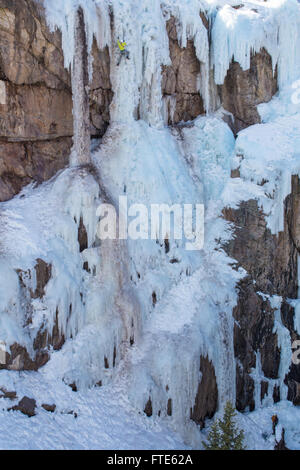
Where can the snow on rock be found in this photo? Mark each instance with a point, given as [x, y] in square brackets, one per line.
[137, 315]
[150, 165]
[44, 223]
[258, 426]
[62, 16]
[134, 287]
[267, 155]
[100, 418]
[165, 365]
[239, 32]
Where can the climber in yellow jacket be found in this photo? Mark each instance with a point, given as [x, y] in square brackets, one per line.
[123, 51]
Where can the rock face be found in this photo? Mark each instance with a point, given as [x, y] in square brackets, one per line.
[101, 94]
[18, 357]
[36, 122]
[271, 264]
[36, 130]
[206, 400]
[253, 245]
[243, 90]
[270, 260]
[240, 94]
[180, 80]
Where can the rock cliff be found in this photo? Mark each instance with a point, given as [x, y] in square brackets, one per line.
[36, 131]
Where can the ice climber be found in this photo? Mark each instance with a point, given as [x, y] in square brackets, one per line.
[274, 423]
[123, 51]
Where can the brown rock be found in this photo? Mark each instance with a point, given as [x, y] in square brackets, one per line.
[8, 395]
[206, 400]
[22, 162]
[294, 389]
[82, 236]
[148, 408]
[293, 211]
[99, 111]
[44, 340]
[271, 263]
[73, 387]
[243, 90]
[57, 339]
[26, 406]
[49, 408]
[43, 275]
[244, 389]
[30, 54]
[270, 260]
[12, 172]
[36, 121]
[47, 157]
[19, 359]
[276, 394]
[100, 91]
[35, 113]
[180, 80]
[254, 331]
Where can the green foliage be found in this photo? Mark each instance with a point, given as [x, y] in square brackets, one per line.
[224, 434]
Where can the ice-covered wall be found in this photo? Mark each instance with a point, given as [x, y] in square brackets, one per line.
[235, 32]
[244, 30]
[145, 312]
[85, 299]
[126, 159]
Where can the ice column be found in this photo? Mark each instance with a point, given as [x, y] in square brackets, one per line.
[80, 88]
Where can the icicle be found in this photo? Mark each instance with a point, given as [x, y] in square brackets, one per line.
[239, 33]
[169, 107]
[284, 343]
[257, 376]
[80, 86]
[226, 371]
[190, 26]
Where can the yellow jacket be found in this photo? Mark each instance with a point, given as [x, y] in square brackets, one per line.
[122, 45]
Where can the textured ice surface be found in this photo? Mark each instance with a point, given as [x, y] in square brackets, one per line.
[194, 292]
